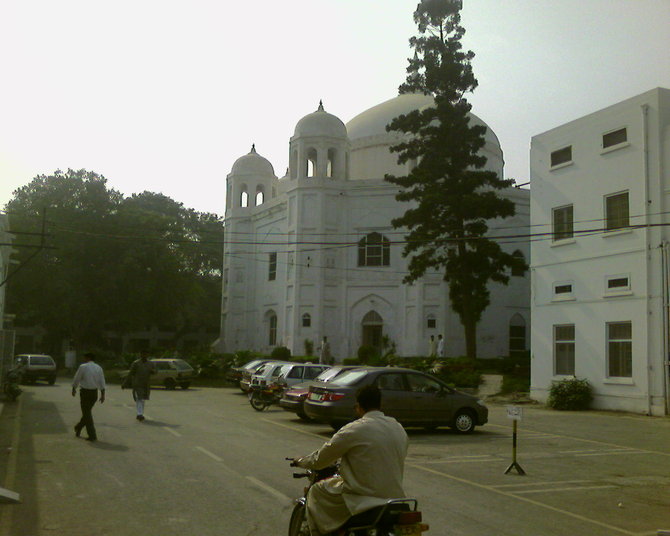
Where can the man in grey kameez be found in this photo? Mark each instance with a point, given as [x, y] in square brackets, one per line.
[372, 451]
[140, 372]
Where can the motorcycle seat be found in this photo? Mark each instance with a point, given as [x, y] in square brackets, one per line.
[367, 519]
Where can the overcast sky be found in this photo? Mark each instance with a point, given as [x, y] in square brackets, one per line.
[165, 95]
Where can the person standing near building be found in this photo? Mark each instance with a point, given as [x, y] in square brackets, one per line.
[89, 378]
[432, 346]
[324, 352]
[440, 346]
[140, 375]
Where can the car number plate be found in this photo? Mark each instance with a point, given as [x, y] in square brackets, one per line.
[407, 530]
[316, 396]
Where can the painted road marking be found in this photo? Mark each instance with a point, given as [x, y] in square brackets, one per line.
[544, 483]
[549, 490]
[173, 432]
[278, 494]
[210, 454]
[512, 495]
[294, 429]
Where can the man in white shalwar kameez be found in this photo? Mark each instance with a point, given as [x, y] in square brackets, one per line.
[372, 451]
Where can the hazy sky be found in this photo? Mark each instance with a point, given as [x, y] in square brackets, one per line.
[165, 95]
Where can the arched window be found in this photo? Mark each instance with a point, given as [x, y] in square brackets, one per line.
[244, 197]
[517, 335]
[374, 250]
[260, 195]
[519, 271]
[311, 163]
[373, 329]
[272, 328]
[330, 171]
[306, 320]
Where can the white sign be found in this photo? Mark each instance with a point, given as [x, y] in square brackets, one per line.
[514, 412]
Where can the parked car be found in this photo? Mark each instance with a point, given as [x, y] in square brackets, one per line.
[295, 396]
[295, 373]
[170, 373]
[36, 367]
[413, 398]
[265, 374]
[234, 374]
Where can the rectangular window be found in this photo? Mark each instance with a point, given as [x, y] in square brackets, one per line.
[616, 211]
[563, 289]
[564, 350]
[620, 349]
[272, 267]
[615, 138]
[431, 322]
[562, 156]
[562, 222]
[517, 340]
[618, 283]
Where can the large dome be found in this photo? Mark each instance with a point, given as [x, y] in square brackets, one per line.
[320, 123]
[372, 122]
[252, 164]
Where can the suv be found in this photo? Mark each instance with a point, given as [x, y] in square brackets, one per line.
[36, 367]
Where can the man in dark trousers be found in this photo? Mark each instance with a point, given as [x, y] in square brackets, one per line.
[140, 374]
[89, 378]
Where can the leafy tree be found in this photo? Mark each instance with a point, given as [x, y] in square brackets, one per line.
[454, 197]
[113, 263]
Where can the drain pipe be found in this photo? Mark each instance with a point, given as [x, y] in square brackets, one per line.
[645, 142]
[666, 318]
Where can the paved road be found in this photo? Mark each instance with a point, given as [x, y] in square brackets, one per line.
[204, 463]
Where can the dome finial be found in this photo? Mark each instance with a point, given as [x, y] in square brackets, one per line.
[320, 106]
[253, 149]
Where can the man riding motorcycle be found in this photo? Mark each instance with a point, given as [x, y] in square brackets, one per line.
[372, 450]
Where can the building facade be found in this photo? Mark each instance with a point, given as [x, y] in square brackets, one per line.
[314, 254]
[599, 262]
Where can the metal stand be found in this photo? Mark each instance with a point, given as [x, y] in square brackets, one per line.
[514, 464]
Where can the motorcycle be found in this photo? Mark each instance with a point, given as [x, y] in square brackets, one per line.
[263, 396]
[398, 517]
[10, 384]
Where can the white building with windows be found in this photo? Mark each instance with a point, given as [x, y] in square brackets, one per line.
[599, 190]
[314, 254]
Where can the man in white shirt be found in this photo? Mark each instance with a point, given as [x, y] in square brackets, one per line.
[89, 378]
[372, 451]
[440, 346]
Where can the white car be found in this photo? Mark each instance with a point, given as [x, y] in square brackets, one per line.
[295, 373]
[266, 374]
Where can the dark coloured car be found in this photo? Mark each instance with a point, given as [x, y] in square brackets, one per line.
[36, 367]
[295, 396]
[413, 398]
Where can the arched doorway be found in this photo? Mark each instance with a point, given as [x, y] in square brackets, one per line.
[373, 330]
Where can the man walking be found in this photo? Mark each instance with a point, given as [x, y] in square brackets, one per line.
[89, 378]
[140, 374]
[324, 352]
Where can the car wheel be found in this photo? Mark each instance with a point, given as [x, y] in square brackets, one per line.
[52, 381]
[184, 385]
[464, 422]
[170, 383]
[304, 416]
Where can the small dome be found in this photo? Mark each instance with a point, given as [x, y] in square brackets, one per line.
[252, 164]
[320, 123]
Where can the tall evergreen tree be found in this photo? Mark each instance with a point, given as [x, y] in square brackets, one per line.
[453, 196]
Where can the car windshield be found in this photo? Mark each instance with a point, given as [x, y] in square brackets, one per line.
[182, 365]
[351, 377]
[41, 360]
[252, 364]
[329, 374]
[263, 369]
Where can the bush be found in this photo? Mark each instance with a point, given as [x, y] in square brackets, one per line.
[281, 353]
[367, 354]
[571, 394]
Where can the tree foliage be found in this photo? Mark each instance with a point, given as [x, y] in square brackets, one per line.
[112, 262]
[453, 195]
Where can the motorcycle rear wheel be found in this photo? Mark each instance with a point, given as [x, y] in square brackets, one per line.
[257, 402]
[298, 524]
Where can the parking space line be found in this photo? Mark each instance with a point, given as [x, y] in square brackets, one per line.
[595, 441]
[295, 429]
[523, 499]
[544, 483]
[210, 454]
[278, 494]
[610, 452]
[549, 490]
[173, 432]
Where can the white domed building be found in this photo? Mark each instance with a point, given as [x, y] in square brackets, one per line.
[314, 254]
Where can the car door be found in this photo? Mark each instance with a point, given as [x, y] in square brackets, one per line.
[396, 398]
[431, 400]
